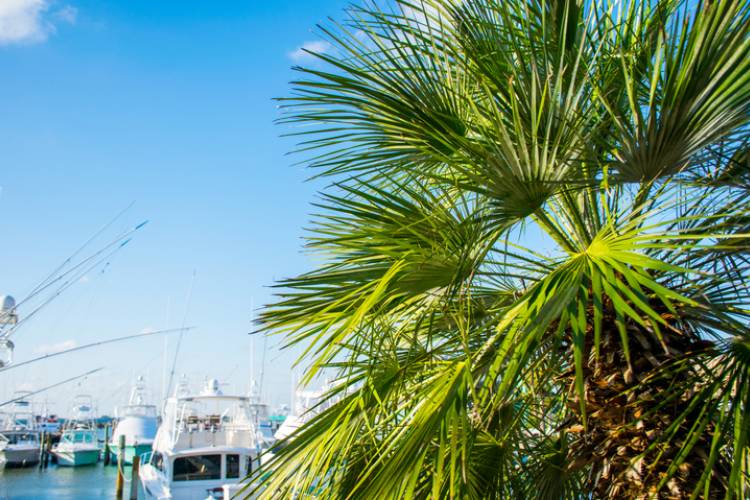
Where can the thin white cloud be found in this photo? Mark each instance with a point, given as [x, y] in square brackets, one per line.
[21, 21]
[67, 14]
[31, 21]
[57, 347]
[303, 53]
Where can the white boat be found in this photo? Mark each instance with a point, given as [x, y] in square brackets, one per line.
[137, 421]
[19, 438]
[305, 405]
[206, 445]
[78, 444]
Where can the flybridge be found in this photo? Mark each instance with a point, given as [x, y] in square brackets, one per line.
[207, 419]
[206, 442]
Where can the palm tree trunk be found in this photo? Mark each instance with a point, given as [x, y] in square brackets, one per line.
[623, 419]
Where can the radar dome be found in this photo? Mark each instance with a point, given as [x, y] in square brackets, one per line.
[7, 303]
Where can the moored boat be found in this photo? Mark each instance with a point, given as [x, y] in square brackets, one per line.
[78, 444]
[19, 438]
[137, 422]
[19, 448]
[204, 447]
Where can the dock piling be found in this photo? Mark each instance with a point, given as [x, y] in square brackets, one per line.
[120, 462]
[134, 478]
[47, 447]
[107, 457]
[42, 449]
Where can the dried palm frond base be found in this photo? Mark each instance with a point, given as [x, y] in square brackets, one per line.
[621, 447]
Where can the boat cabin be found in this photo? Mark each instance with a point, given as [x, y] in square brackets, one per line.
[196, 474]
[23, 437]
[206, 445]
[208, 464]
[79, 436]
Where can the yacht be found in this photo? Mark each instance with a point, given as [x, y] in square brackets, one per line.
[78, 444]
[137, 421]
[305, 405]
[19, 438]
[206, 445]
[260, 414]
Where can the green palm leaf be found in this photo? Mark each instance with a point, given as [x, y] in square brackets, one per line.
[533, 256]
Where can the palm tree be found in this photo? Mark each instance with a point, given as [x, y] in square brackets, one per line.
[533, 252]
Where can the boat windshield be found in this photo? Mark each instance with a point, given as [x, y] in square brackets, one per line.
[148, 411]
[80, 436]
[21, 437]
[197, 468]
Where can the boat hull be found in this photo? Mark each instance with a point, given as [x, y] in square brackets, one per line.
[76, 458]
[129, 452]
[157, 487]
[19, 457]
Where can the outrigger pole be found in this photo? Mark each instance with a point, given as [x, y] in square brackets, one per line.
[27, 394]
[94, 344]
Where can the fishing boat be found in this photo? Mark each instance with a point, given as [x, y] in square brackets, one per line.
[205, 446]
[78, 444]
[305, 405]
[137, 421]
[19, 437]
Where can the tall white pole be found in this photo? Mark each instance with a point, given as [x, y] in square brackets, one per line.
[252, 347]
[164, 354]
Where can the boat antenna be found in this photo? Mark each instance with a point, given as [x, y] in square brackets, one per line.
[58, 384]
[263, 363]
[164, 353]
[179, 339]
[94, 344]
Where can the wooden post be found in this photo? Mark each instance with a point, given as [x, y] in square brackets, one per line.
[120, 459]
[134, 478]
[106, 445]
[47, 447]
[42, 448]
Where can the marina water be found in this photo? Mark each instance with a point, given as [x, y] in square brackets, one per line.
[80, 483]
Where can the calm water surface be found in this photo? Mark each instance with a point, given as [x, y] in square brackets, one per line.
[88, 482]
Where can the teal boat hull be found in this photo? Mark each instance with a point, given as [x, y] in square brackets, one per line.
[129, 452]
[76, 458]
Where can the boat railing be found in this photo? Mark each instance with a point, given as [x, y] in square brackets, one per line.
[148, 411]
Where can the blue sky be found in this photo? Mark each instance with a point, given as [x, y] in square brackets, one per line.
[168, 104]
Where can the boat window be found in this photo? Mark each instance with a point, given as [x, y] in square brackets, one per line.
[81, 437]
[157, 460]
[249, 468]
[197, 468]
[18, 438]
[233, 466]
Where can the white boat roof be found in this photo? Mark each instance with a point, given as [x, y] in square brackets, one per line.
[208, 450]
[213, 397]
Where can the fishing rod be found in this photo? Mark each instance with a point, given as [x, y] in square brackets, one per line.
[80, 249]
[95, 344]
[58, 384]
[179, 339]
[121, 240]
[63, 287]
